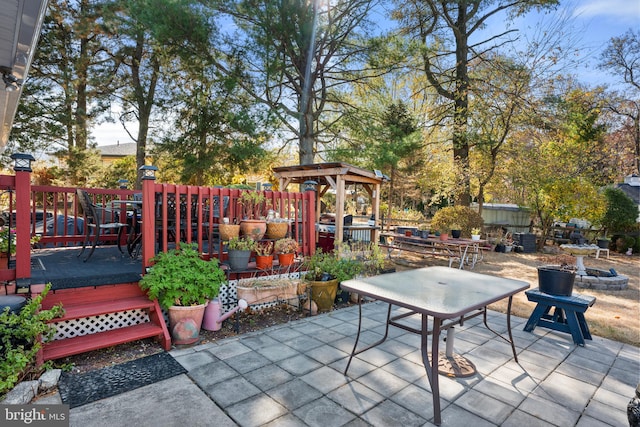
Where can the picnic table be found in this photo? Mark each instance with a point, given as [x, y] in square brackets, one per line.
[462, 251]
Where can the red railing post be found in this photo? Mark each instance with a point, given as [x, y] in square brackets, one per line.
[23, 206]
[148, 216]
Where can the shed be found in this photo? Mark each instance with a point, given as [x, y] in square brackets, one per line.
[505, 214]
[334, 176]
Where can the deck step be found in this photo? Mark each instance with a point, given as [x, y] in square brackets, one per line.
[70, 346]
[79, 311]
[85, 303]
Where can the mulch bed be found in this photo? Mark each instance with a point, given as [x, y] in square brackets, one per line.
[248, 321]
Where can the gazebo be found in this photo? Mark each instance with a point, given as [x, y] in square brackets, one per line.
[336, 176]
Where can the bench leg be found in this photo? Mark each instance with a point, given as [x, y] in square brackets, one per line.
[538, 312]
[574, 327]
[583, 326]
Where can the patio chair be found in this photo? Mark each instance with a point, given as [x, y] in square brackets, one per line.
[96, 219]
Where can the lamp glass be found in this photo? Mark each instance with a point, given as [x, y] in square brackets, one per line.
[22, 162]
[310, 185]
[148, 172]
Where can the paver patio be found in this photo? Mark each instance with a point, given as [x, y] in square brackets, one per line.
[291, 374]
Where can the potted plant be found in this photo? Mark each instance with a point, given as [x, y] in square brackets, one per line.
[286, 249]
[463, 218]
[424, 231]
[475, 233]
[277, 228]
[444, 233]
[264, 255]
[252, 224]
[325, 270]
[239, 252]
[456, 231]
[228, 231]
[183, 283]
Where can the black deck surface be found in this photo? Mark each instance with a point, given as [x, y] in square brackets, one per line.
[64, 269]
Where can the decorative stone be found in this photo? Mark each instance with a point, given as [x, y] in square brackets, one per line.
[49, 379]
[22, 393]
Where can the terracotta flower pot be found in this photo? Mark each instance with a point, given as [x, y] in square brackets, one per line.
[286, 259]
[264, 262]
[185, 323]
[253, 228]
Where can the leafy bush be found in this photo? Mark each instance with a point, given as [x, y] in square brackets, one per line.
[19, 342]
[621, 211]
[462, 216]
[322, 266]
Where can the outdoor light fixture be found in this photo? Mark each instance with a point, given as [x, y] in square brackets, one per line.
[122, 183]
[310, 185]
[22, 162]
[11, 82]
[267, 186]
[148, 172]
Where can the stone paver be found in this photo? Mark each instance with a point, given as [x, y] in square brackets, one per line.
[292, 375]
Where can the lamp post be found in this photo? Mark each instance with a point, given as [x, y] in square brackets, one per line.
[22, 162]
[310, 185]
[148, 172]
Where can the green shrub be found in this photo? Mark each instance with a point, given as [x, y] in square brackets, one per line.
[621, 212]
[462, 216]
[331, 264]
[19, 343]
[623, 243]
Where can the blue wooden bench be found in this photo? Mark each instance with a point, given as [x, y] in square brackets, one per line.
[568, 315]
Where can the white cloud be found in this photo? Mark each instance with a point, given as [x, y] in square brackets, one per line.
[622, 9]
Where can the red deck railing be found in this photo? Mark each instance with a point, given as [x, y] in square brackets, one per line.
[171, 214]
[191, 214]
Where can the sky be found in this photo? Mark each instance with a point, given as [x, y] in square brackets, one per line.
[594, 23]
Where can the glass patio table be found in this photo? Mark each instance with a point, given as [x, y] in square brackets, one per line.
[446, 294]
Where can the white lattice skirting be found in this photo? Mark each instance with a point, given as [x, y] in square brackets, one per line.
[94, 324]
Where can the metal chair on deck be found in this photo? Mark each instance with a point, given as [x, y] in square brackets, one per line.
[96, 219]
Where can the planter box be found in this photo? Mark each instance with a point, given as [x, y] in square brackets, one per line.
[263, 291]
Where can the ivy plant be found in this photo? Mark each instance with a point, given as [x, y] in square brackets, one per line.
[20, 339]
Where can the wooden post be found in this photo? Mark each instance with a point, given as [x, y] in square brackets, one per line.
[148, 221]
[23, 217]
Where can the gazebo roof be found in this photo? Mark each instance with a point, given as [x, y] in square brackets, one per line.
[326, 174]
